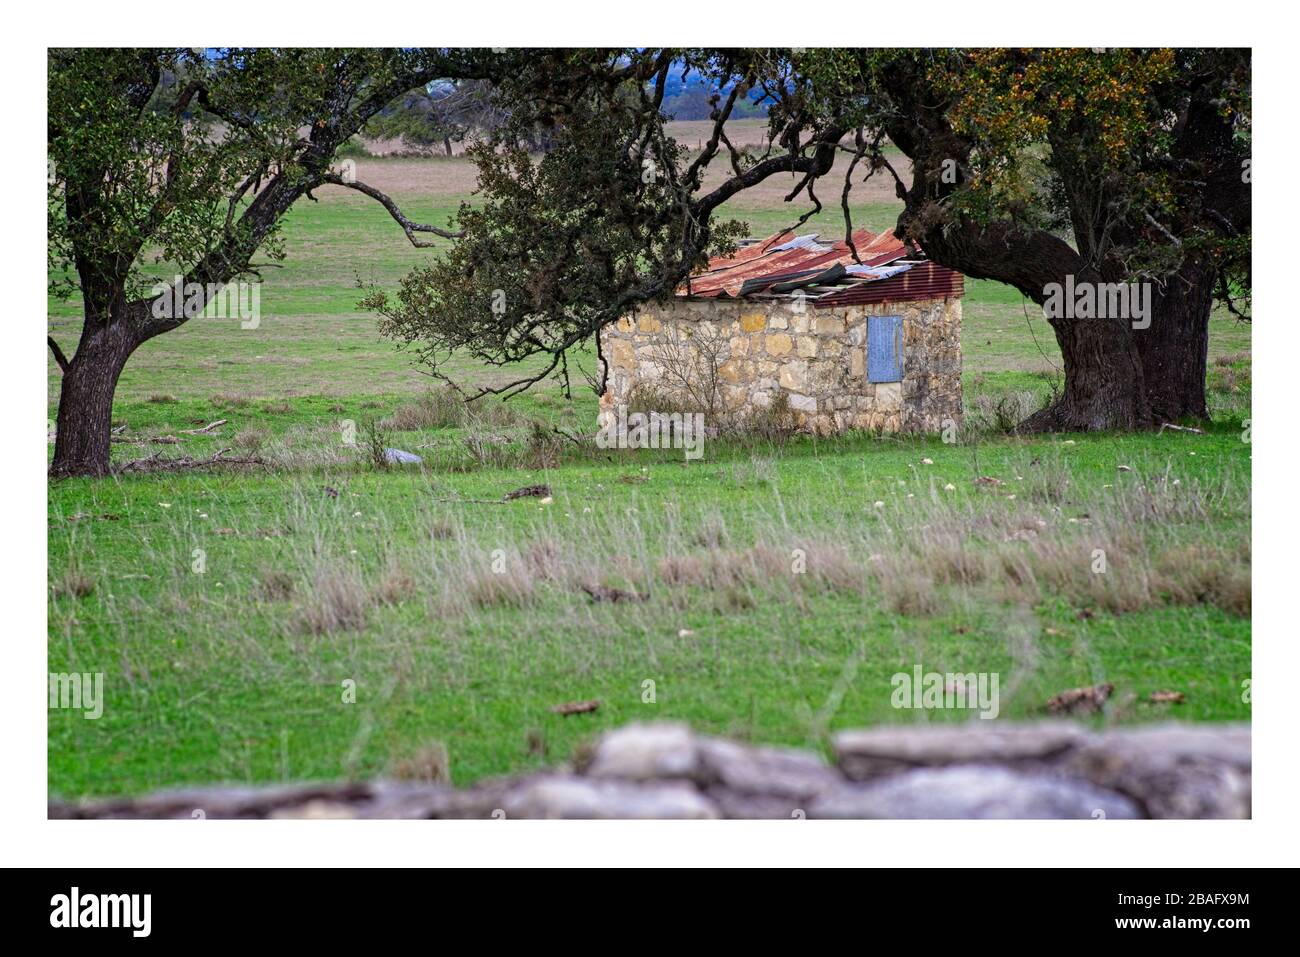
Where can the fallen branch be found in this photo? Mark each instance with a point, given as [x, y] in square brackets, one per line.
[528, 491]
[206, 429]
[575, 707]
[155, 464]
[1180, 428]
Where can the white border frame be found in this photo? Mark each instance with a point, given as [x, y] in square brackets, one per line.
[32, 840]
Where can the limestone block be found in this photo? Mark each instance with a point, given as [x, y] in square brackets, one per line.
[889, 396]
[794, 375]
[732, 370]
[778, 344]
[858, 363]
[622, 354]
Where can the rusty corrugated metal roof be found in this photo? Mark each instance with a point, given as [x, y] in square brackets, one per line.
[790, 260]
[921, 280]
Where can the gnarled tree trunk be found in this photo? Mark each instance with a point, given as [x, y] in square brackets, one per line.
[1104, 381]
[1175, 347]
[85, 420]
[1121, 377]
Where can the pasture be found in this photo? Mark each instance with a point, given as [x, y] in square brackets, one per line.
[316, 617]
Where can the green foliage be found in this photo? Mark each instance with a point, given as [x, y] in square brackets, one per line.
[564, 242]
[1139, 157]
[135, 177]
[157, 155]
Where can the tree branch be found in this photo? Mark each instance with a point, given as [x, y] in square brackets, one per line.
[59, 357]
[408, 227]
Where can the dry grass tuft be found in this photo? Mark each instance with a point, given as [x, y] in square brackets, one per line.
[275, 585]
[512, 588]
[1200, 574]
[1232, 358]
[338, 603]
[713, 533]
[1001, 413]
[436, 409]
[252, 439]
[230, 400]
[394, 586]
[429, 765]
[444, 408]
[810, 567]
[544, 559]
[74, 584]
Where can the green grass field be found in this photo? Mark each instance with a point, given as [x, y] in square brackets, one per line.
[783, 583]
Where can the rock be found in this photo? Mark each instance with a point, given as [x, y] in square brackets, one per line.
[778, 344]
[316, 810]
[978, 792]
[889, 396]
[731, 772]
[214, 803]
[622, 354]
[886, 750]
[643, 752]
[582, 798]
[744, 806]
[788, 775]
[398, 457]
[1172, 770]
[793, 375]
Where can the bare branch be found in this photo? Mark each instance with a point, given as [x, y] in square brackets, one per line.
[408, 227]
[861, 148]
[59, 357]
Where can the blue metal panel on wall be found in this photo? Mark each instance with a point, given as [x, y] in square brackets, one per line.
[884, 348]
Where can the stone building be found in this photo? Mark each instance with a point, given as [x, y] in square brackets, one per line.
[872, 342]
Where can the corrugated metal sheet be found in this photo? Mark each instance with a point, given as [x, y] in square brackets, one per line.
[883, 275]
[925, 280]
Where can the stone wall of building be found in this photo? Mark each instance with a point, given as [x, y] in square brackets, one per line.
[816, 357]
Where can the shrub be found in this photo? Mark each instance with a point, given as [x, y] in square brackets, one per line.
[374, 444]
